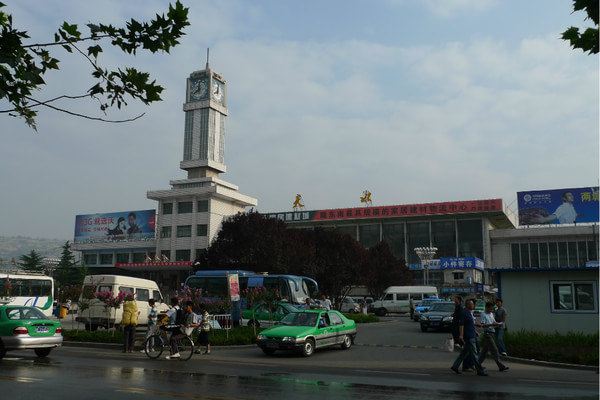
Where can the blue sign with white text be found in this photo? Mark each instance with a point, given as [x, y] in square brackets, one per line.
[461, 263]
[558, 206]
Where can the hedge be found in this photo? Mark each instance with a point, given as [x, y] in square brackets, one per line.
[362, 318]
[573, 347]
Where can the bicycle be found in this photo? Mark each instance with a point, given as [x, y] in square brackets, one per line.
[155, 345]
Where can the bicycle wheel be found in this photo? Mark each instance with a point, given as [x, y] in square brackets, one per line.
[154, 346]
[186, 348]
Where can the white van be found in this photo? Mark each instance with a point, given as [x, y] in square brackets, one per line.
[397, 298]
[96, 315]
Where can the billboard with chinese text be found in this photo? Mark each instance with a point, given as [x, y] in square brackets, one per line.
[558, 206]
[115, 226]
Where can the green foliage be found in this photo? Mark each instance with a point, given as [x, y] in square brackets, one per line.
[381, 270]
[236, 336]
[67, 272]
[362, 318]
[23, 66]
[587, 40]
[32, 262]
[573, 347]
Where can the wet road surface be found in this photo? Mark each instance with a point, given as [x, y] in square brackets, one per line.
[245, 373]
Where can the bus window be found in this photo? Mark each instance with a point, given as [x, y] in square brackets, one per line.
[128, 290]
[38, 287]
[142, 294]
[156, 296]
[104, 288]
[216, 287]
[20, 287]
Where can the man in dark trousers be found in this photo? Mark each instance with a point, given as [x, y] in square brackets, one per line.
[457, 317]
[468, 334]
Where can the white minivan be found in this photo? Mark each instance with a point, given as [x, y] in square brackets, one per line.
[96, 315]
[396, 299]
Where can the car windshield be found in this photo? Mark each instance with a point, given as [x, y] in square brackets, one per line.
[17, 313]
[300, 319]
[442, 307]
[428, 302]
[289, 308]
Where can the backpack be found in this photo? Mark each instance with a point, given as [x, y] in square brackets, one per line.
[180, 317]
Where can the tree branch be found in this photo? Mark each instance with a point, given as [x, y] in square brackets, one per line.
[41, 103]
[98, 37]
[114, 121]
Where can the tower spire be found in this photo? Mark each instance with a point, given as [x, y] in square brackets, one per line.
[207, 56]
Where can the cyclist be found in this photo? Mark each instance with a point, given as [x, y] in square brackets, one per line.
[185, 323]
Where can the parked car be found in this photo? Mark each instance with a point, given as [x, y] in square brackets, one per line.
[349, 305]
[23, 327]
[143, 289]
[259, 314]
[397, 298]
[438, 317]
[424, 306]
[307, 330]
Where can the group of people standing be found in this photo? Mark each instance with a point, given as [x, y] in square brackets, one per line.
[181, 322]
[464, 331]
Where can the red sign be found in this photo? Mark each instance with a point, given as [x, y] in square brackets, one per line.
[410, 210]
[156, 264]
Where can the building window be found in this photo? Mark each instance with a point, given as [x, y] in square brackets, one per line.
[184, 207]
[553, 251]
[544, 263]
[184, 231]
[516, 255]
[563, 259]
[525, 255]
[349, 230]
[139, 257]
[368, 235]
[592, 251]
[165, 232]
[167, 208]
[573, 296]
[202, 230]
[90, 259]
[122, 257]
[443, 236]
[582, 251]
[417, 236]
[106, 259]
[534, 254]
[393, 234]
[458, 276]
[166, 254]
[182, 255]
[202, 205]
[470, 238]
[572, 248]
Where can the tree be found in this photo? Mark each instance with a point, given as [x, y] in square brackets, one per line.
[588, 40]
[381, 270]
[33, 262]
[24, 65]
[67, 271]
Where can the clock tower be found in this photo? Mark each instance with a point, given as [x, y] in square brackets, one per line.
[191, 212]
[205, 110]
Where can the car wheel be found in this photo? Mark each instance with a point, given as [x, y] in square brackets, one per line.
[308, 348]
[269, 352]
[381, 312]
[423, 328]
[43, 352]
[346, 342]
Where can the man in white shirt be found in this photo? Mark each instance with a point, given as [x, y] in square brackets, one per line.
[325, 302]
[565, 213]
[488, 323]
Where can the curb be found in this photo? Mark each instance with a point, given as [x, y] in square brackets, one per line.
[550, 364]
[95, 345]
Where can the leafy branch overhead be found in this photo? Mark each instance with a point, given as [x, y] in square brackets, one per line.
[23, 66]
[588, 39]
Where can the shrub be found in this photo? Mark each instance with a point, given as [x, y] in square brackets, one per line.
[362, 318]
[572, 347]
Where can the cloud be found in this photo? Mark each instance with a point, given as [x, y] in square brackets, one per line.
[452, 8]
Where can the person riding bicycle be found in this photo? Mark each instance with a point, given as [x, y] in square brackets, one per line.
[185, 323]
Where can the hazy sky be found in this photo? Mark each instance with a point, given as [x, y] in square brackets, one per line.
[417, 101]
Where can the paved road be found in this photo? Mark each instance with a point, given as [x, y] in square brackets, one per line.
[245, 373]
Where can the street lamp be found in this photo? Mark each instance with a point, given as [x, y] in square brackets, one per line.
[425, 254]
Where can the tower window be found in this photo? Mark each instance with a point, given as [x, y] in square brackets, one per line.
[201, 230]
[202, 205]
[167, 208]
[184, 207]
[184, 231]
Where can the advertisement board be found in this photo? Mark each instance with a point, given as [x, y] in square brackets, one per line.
[234, 287]
[115, 227]
[461, 263]
[558, 206]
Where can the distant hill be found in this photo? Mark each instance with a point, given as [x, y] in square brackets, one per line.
[15, 246]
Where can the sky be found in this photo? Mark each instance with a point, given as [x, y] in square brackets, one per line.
[414, 100]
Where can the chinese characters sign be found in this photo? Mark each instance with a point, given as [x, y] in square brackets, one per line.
[558, 206]
[410, 210]
[460, 263]
[115, 227]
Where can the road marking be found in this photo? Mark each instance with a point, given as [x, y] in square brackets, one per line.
[184, 395]
[20, 379]
[561, 382]
[392, 372]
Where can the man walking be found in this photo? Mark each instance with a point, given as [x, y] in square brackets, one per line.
[500, 316]
[488, 323]
[468, 335]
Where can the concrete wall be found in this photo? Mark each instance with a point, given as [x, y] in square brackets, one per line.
[527, 299]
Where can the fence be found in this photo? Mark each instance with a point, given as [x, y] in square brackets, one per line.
[221, 321]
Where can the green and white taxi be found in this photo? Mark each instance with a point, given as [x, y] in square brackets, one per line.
[307, 330]
[23, 327]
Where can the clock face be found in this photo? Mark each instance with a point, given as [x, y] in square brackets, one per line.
[198, 89]
[217, 91]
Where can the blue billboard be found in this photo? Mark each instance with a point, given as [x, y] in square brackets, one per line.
[115, 227]
[461, 263]
[558, 206]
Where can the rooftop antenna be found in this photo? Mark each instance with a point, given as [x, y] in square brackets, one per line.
[207, 56]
